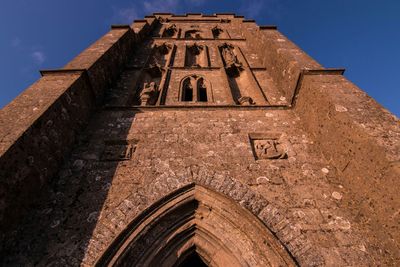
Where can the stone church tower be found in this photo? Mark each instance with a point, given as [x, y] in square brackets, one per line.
[198, 140]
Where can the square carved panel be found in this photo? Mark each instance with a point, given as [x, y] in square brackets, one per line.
[267, 146]
[118, 150]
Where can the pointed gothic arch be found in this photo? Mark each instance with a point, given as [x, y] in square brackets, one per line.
[195, 222]
[195, 88]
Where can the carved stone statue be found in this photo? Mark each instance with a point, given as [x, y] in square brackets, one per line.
[193, 34]
[163, 49]
[170, 31]
[194, 57]
[159, 54]
[154, 69]
[195, 49]
[216, 31]
[269, 149]
[148, 94]
[232, 64]
[229, 56]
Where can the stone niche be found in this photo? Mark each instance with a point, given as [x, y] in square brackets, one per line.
[238, 79]
[160, 54]
[193, 34]
[170, 32]
[151, 77]
[196, 56]
[149, 86]
[231, 62]
[244, 88]
[219, 33]
[267, 146]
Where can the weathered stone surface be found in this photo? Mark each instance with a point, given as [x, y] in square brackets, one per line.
[255, 141]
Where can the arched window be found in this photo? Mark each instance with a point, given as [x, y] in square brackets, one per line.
[187, 90]
[195, 89]
[201, 91]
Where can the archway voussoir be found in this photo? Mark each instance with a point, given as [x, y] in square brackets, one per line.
[227, 186]
[270, 215]
[248, 199]
[217, 182]
[238, 191]
[164, 231]
[257, 204]
[305, 253]
[202, 175]
[288, 233]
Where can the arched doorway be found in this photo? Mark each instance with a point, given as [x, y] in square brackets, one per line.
[196, 226]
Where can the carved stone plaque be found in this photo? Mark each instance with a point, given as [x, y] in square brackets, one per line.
[267, 147]
[118, 150]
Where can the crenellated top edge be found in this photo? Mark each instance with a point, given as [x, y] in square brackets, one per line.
[198, 15]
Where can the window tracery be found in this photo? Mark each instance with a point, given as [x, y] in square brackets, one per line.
[195, 89]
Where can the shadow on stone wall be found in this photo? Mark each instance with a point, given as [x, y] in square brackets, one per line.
[56, 231]
[56, 225]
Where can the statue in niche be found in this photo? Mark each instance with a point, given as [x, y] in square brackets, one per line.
[217, 31]
[194, 56]
[163, 49]
[148, 94]
[269, 149]
[193, 34]
[154, 69]
[232, 64]
[246, 101]
[159, 54]
[170, 31]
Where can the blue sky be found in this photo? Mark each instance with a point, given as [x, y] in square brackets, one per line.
[362, 36]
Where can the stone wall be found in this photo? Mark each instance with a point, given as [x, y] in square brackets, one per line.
[326, 194]
[361, 141]
[40, 126]
[48, 116]
[206, 147]
[356, 135]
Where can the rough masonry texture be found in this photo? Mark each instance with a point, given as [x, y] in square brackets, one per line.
[197, 139]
